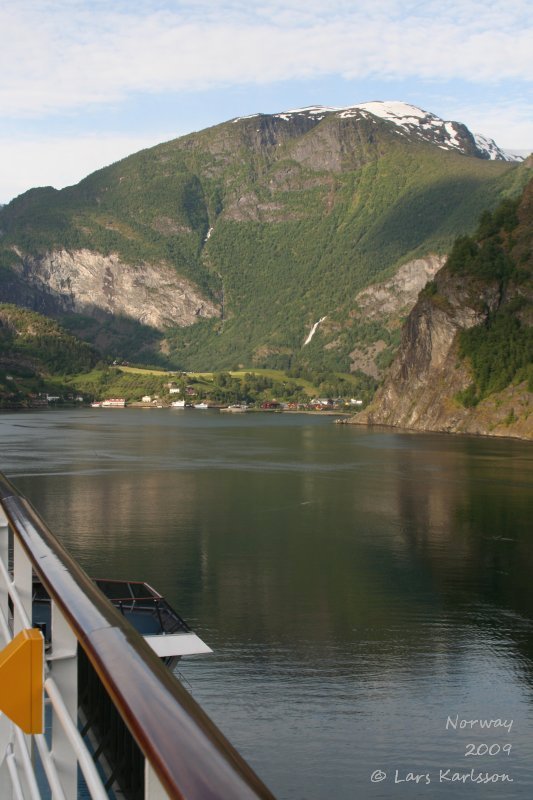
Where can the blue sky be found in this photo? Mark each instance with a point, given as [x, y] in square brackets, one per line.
[86, 83]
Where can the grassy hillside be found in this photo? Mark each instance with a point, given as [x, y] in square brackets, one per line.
[28, 336]
[36, 356]
[299, 216]
[39, 358]
[254, 387]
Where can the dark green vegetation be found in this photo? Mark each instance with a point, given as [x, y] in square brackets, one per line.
[304, 214]
[36, 356]
[500, 353]
[501, 350]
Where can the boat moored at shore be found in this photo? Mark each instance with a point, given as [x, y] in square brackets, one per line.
[111, 402]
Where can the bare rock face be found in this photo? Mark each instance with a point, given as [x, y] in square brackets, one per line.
[86, 282]
[424, 376]
[426, 373]
[387, 303]
[364, 358]
[420, 390]
[401, 291]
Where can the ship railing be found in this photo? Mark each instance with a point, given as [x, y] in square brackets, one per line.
[114, 712]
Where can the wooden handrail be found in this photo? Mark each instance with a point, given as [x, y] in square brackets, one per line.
[188, 753]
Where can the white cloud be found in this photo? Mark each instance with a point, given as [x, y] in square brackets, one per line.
[61, 161]
[67, 54]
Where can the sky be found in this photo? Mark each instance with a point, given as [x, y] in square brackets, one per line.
[87, 82]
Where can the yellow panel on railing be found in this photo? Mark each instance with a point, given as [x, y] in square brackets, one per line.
[21, 680]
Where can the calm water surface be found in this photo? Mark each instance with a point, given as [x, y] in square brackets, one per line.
[358, 587]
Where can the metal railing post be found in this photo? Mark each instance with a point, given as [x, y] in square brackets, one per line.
[4, 557]
[152, 785]
[22, 580]
[6, 728]
[64, 671]
[6, 744]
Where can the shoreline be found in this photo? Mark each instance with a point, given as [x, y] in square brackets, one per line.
[137, 406]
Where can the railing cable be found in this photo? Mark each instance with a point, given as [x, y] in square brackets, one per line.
[27, 766]
[87, 765]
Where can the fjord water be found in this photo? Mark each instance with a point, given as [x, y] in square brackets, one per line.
[359, 587]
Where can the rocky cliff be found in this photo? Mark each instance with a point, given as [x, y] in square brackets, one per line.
[89, 283]
[386, 303]
[445, 379]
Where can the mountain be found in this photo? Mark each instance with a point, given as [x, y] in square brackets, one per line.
[232, 245]
[465, 363]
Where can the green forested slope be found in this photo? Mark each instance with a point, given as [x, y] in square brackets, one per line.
[36, 355]
[500, 351]
[302, 217]
[27, 336]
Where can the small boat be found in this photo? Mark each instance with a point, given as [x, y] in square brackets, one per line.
[236, 409]
[114, 402]
[201, 405]
[96, 405]
[178, 404]
[164, 630]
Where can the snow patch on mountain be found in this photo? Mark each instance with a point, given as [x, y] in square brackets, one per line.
[495, 153]
[447, 134]
[249, 116]
[409, 120]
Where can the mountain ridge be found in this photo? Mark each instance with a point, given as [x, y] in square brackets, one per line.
[448, 134]
[273, 222]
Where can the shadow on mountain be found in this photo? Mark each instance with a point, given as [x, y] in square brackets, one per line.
[441, 211]
[116, 336]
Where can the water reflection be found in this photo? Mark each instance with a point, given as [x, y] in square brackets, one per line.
[357, 586]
